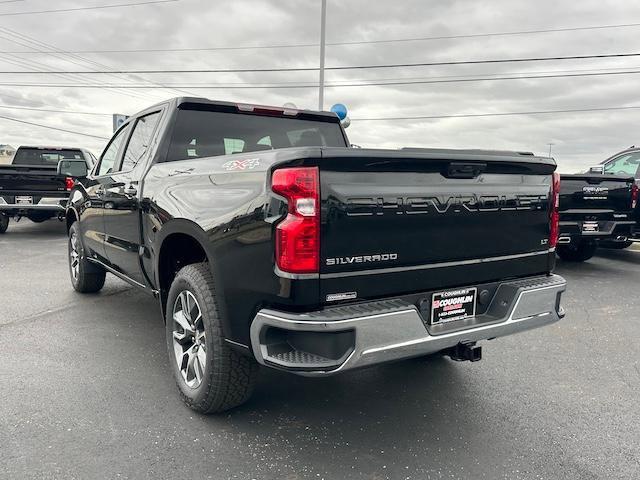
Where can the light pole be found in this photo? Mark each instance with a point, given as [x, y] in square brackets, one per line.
[550, 145]
[323, 25]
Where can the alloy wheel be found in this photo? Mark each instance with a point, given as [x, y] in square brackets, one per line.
[189, 344]
[74, 256]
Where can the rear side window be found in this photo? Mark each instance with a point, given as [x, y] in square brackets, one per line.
[625, 164]
[201, 133]
[140, 140]
[44, 157]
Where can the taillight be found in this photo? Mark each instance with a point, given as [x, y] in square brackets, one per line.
[298, 235]
[554, 214]
[634, 195]
[68, 183]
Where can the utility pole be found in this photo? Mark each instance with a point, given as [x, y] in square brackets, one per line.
[550, 145]
[323, 26]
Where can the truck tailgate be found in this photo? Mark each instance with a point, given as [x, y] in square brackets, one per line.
[599, 193]
[424, 221]
[30, 180]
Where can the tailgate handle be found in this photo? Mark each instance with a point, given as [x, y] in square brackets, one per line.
[465, 170]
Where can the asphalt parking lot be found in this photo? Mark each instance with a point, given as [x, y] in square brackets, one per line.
[86, 392]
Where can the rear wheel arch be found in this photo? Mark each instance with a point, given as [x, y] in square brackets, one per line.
[181, 243]
[71, 217]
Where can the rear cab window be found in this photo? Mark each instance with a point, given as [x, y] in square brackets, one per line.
[208, 133]
[45, 157]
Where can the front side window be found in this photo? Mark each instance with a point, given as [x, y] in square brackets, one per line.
[206, 133]
[110, 155]
[625, 164]
[140, 140]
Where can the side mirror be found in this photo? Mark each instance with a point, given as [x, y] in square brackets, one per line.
[72, 168]
[597, 169]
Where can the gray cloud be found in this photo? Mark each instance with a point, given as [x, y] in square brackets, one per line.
[580, 139]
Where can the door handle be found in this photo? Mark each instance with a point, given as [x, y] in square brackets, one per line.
[130, 190]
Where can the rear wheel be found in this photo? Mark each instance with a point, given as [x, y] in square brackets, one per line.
[86, 277]
[616, 245]
[4, 223]
[210, 375]
[576, 252]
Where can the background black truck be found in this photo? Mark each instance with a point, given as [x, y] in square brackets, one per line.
[625, 163]
[37, 183]
[267, 240]
[595, 210]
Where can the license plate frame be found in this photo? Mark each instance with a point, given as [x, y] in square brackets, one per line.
[445, 312]
[24, 200]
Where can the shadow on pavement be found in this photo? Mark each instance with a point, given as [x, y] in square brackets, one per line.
[26, 229]
[626, 255]
[584, 268]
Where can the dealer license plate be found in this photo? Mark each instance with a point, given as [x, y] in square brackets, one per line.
[24, 200]
[588, 227]
[453, 305]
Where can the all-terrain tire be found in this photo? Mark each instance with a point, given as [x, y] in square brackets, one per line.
[576, 252]
[4, 223]
[227, 377]
[86, 277]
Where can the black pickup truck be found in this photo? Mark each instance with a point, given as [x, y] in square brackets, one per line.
[267, 240]
[37, 183]
[595, 209]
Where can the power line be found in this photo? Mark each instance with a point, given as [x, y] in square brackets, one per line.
[96, 7]
[297, 86]
[400, 79]
[344, 67]
[34, 109]
[493, 34]
[52, 128]
[34, 44]
[37, 66]
[360, 42]
[470, 115]
[59, 53]
[484, 79]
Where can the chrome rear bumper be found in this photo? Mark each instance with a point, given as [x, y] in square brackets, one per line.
[384, 331]
[54, 204]
[23, 208]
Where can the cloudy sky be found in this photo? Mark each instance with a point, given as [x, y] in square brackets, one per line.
[580, 139]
